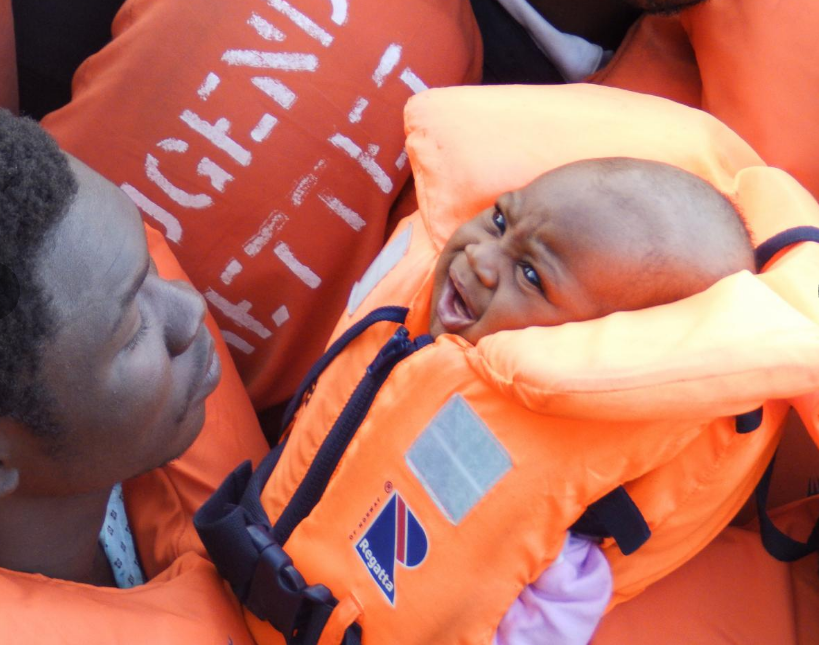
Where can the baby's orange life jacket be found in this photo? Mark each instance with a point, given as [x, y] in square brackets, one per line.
[185, 601]
[424, 484]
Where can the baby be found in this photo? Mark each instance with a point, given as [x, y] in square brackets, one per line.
[580, 242]
[583, 241]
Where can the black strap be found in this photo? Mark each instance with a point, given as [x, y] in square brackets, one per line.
[389, 314]
[780, 545]
[237, 534]
[749, 421]
[615, 515]
[769, 248]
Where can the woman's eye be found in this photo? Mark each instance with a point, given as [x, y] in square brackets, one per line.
[531, 276]
[499, 221]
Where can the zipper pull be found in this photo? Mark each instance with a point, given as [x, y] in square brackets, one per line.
[393, 351]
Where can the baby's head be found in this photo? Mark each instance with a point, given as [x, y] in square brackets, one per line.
[583, 241]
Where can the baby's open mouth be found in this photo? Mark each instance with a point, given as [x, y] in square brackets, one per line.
[453, 311]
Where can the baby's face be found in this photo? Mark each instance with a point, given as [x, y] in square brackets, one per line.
[553, 252]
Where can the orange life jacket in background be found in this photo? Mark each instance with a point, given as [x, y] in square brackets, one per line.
[8, 59]
[750, 63]
[425, 484]
[263, 137]
[185, 600]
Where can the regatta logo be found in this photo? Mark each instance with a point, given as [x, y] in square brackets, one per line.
[395, 536]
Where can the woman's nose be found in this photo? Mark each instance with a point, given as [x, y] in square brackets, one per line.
[185, 311]
[483, 259]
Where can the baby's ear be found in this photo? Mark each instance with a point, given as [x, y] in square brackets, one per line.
[9, 474]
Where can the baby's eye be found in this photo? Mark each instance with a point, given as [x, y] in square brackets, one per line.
[531, 275]
[499, 221]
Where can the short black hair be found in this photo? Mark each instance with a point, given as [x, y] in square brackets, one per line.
[37, 188]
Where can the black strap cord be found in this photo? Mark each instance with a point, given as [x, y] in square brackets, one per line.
[769, 248]
[780, 545]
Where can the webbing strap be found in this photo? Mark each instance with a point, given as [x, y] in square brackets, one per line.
[388, 314]
[749, 421]
[769, 248]
[780, 545]
[238, 536]
[615, 515]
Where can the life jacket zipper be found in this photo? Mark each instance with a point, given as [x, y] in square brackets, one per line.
[352, 416]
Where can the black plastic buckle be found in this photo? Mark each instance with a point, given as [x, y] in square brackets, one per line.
[278, 592]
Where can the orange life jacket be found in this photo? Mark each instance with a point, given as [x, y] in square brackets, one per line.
[185, 600]
[750, 63]
[425, 484]
[733, 592]
[8, 59]
[264, 138]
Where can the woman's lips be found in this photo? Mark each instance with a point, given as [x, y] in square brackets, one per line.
[454, 313]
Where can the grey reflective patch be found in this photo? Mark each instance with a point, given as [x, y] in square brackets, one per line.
[381, 266]
[458, 459]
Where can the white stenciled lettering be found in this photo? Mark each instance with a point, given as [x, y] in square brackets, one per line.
[178, 195]
[353, 219]
[289, 62]
[276, 90]
[210, 83]
[217, 133]
[306, 184]
[272, 224]
[340, 8]
[365, 159]
[236, 341]
[301, 271]
[233, 268]
[263, 128]
[218, 176]
[387, 63]
[264, 28]
[281, 316]
[358, 109]
[302, 22]
[402, 160]
[173, 229]
[173, 145]
[238, 313]
[412, 81]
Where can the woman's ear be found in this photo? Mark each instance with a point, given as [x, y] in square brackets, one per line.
[9, 475]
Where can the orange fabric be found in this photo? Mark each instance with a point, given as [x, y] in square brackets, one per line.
[265, 139]
[757, 73]
[186, 603]
[643, 398]
[655, 58]
[757, 59]
[185, 600]
[8, 59]
[733, 592]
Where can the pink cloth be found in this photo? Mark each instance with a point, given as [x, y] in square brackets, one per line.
[565, 604]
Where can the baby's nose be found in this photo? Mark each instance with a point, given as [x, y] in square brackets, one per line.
[483, 259]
